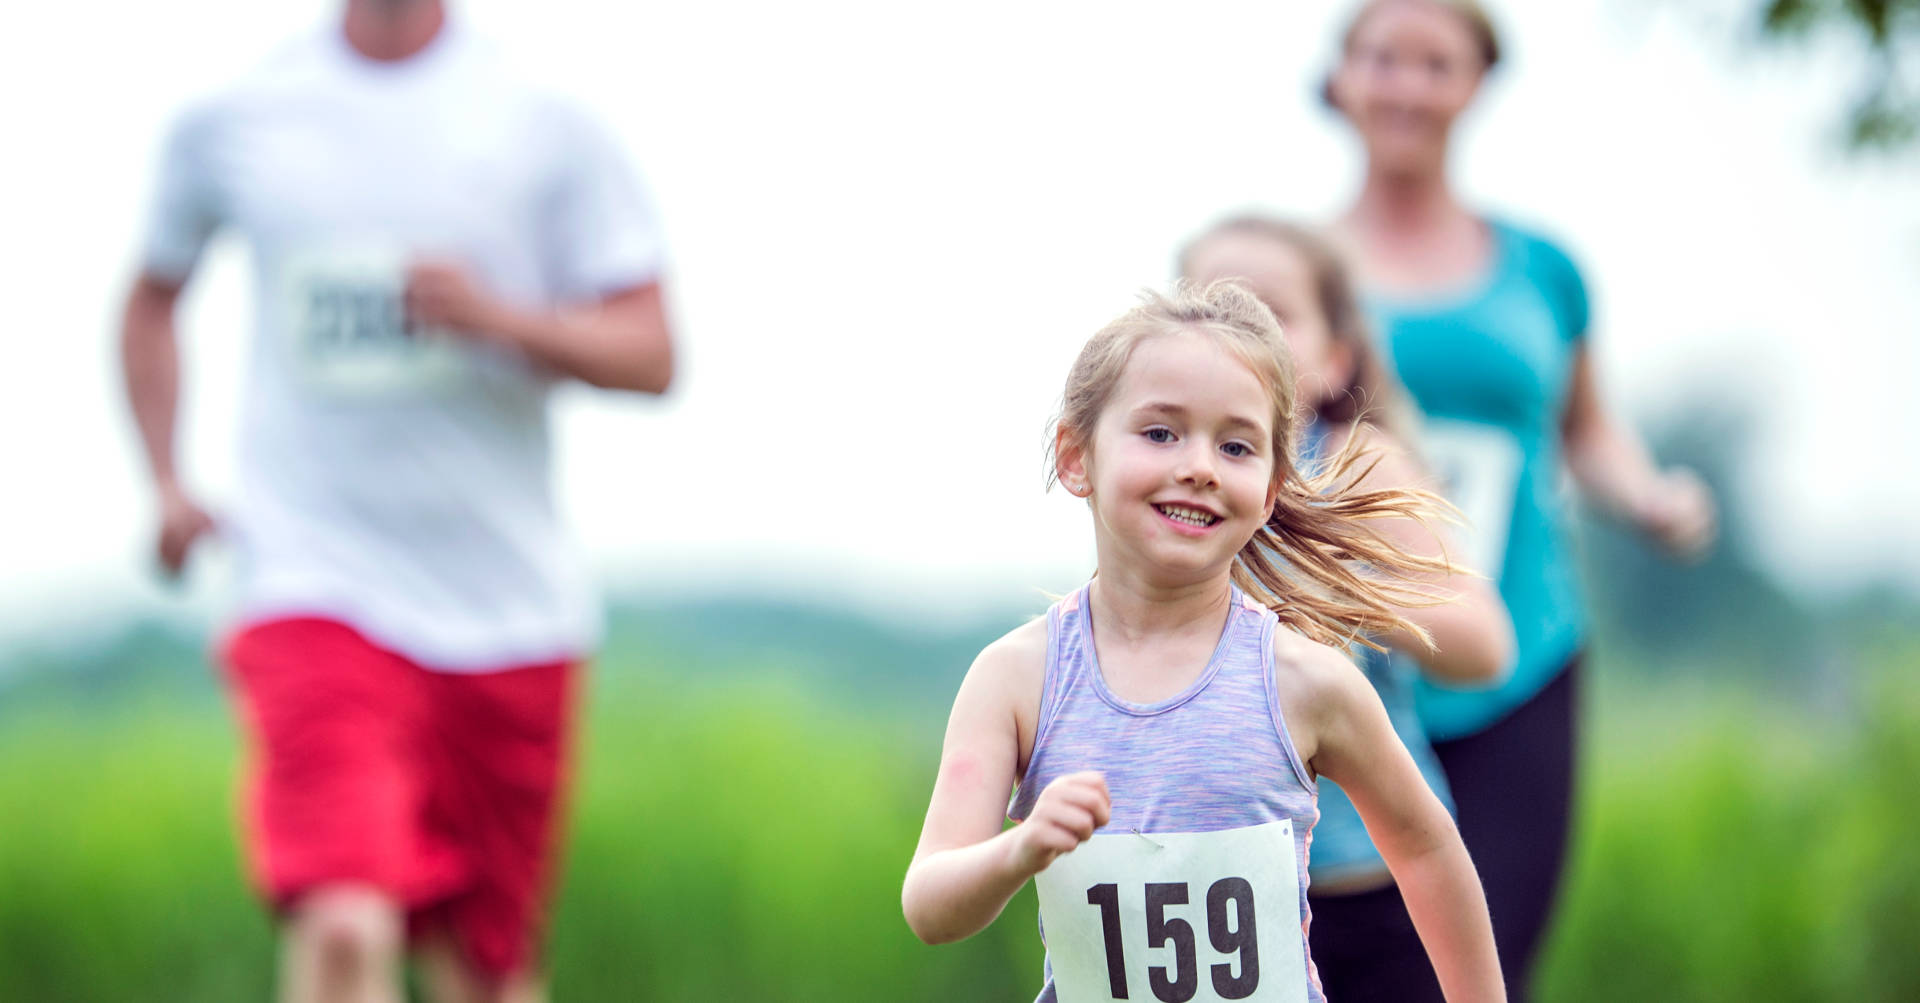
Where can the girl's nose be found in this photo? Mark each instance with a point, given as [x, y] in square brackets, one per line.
[1196, 467]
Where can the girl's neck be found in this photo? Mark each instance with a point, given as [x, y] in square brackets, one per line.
[1130, 609]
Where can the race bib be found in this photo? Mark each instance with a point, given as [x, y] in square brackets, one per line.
[1176, 917]
[1479, 470]
[349, 335]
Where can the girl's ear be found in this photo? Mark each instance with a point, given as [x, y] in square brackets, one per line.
[1273, 497]
[1070, 463]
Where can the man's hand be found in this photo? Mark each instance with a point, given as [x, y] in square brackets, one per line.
[182, 523]
[441, 294]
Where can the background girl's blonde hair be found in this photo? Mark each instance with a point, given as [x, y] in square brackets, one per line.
[1317, 563]
[1372, 393]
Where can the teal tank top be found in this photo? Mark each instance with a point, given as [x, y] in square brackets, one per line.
[1489, 369]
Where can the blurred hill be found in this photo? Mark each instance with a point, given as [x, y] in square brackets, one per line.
[1723, 618]
[712, 639]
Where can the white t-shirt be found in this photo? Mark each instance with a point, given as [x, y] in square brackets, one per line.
[392, 479]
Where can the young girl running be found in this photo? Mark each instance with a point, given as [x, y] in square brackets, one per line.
[1183, 703]
[1364, 946]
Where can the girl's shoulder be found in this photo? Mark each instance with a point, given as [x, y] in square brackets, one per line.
[1314, 682]
[1022, 649]
[1300, 658]
[1012, 669]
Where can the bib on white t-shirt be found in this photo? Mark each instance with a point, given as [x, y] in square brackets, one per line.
[392, 477]
[347, 329]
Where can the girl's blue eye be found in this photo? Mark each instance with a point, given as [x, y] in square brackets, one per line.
[1159, 435]
[1237, 449]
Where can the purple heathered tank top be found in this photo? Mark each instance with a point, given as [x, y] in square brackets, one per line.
[1216, 756]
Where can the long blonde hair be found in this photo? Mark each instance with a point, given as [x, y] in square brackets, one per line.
[1317, 563]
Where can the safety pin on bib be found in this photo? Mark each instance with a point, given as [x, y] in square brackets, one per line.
[1156, 843]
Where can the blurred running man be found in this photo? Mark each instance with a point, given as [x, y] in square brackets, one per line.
[436, 242]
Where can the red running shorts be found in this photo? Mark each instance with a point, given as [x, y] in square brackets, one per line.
[443, 789]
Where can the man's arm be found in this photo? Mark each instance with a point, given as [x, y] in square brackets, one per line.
[622, 342]
[150, 363]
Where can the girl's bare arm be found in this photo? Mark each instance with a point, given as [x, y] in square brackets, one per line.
[967, 865]
[1357, 747]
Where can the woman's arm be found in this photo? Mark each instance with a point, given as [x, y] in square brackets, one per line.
[967, 866]
[1613, 468]
[1472, 635]
[1357, 748]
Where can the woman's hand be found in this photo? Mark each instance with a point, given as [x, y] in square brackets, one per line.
[1678, 512]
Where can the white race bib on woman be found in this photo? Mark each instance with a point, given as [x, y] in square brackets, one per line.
[1479, 470]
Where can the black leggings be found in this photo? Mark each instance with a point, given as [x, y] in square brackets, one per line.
[1366, 950]
[1513, 787]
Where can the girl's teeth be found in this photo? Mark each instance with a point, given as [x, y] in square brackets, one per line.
[1187, 516]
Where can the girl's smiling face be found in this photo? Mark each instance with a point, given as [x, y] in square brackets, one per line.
[1179, 465]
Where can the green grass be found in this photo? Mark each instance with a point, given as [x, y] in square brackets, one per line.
[1734, 848]
[746, 839]
[745, 844]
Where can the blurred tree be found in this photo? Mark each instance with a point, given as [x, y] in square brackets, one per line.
[1722, 613]
[1885, 113]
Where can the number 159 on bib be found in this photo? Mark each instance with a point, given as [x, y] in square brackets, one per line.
[1177, 918]
[1232, 933]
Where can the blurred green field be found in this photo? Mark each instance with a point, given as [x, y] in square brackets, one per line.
[738, 836]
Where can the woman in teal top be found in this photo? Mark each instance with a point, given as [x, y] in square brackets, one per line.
[1487, 327]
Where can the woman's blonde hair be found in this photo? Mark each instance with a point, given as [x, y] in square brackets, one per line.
[1371, 394]
[1317, 563]
[1479, 24]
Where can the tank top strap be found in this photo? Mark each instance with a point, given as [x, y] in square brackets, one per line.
[1269, 674]
[1066, 665]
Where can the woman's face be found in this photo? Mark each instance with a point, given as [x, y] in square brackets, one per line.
[1410, 69]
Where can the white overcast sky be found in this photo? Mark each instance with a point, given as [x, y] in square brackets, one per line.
[892, 224]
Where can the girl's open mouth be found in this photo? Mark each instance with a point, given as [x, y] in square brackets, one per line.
[1187, 516]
